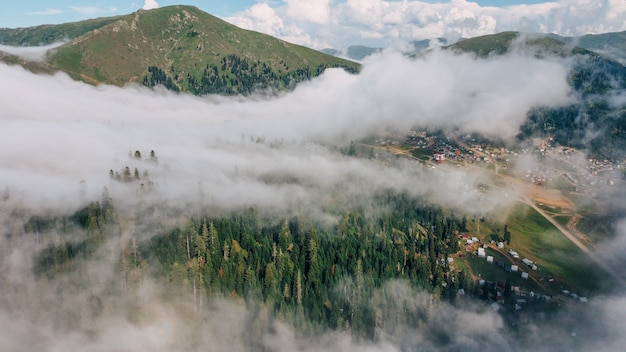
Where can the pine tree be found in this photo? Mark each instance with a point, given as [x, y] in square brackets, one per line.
[507, 235]
[284, 236]
[299, 289]
[126, 176]
[271, 281]
[153, 157]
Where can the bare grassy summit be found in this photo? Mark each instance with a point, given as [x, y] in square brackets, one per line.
[182, 48]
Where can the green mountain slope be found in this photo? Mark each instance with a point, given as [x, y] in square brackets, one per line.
[612, 45]
[48, 34]
[501, 43]
[186, 49]
[596, 121]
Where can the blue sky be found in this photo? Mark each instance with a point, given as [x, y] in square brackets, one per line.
[29, 13]
[340, 23]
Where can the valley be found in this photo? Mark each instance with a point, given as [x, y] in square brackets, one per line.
[174, 180]
[542, 190]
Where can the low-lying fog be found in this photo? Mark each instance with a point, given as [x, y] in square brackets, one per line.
[60, 138]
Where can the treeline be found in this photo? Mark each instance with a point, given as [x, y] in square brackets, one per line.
[326, 276]
[593, 124]
[234, 76]
[98, 224]
[597, 121]
[237, 75]
[156, 76]
[317, 276]
[125, 175]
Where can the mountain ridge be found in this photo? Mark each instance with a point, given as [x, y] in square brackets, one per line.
[611, 45]
[51, 33]
[184, 49]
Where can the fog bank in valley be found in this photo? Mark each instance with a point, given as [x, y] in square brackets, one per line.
[284, 155]
[65, 136]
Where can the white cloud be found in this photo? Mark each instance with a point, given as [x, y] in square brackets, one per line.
[33, 53]
[211, 144]
[263, 18]
[342, 23]
[317, 11]
[150, 4]
[45, 12]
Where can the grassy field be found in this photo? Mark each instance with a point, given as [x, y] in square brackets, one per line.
[598, 227]
[533, 237]
[563, 219]
[422, 153]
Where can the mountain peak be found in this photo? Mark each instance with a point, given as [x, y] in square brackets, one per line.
[184, 49]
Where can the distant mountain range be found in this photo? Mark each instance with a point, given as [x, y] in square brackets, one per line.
[360, 52]
[611, 45]
[179, 47]
[354, 52]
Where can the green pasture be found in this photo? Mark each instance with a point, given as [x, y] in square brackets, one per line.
[533, 237]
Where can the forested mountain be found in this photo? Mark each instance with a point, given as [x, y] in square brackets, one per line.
[596, 120]
[179, 47]
[297, 267]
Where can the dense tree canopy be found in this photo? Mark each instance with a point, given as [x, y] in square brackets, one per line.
[235, 75]
[304, 271]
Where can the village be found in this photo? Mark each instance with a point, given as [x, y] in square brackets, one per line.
[512, 280]
[515, 283]
[554, 166]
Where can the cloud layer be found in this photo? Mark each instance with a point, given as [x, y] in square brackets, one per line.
[280, 152]
[31, 53]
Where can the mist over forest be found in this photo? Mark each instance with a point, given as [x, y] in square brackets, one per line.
[101, 185]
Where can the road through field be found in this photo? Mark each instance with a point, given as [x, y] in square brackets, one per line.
[576, 241]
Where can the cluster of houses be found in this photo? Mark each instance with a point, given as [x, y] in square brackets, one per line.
[443, 149]
[596, 172]
[522, 296]
[481, 252]
[584, 174]
[574, 296]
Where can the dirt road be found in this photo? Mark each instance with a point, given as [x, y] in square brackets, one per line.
[576, 241]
